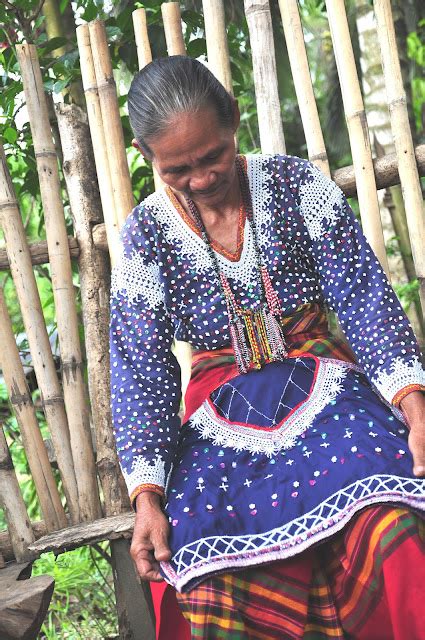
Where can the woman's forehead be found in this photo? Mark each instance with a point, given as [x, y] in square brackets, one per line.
[193, 134]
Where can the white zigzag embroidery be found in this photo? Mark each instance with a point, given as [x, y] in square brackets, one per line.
[402, 373]
[137, 281]
[320, 203]
[222, 433]
[225, 552]
[145, 471]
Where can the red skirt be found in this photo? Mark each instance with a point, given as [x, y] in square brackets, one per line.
[366, 583]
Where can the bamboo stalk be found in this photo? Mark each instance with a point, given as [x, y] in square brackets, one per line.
[400, 126]
[217, 46]
[171, 17]
[144, 56]
[63, 289]
[35, 450]
[303, 85]
[357, 129]
[80, 177]
[44, 366]
[265, 77]
[38, 252]
[112, 127]
[15, 512]
[97, 133]
[144, 53]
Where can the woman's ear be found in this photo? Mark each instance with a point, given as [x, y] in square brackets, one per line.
[136, 145]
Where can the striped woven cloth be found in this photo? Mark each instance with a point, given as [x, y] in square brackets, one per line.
[364, 584]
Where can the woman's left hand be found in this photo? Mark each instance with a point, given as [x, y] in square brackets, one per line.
[413, 407]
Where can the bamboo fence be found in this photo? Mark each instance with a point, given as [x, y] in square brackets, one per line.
[111, 121]
[265, 76]
[63, 288]
[409, 177]
[217, 46]
[357, 129]
[18, 523]
[297, 53]
[117, 201]
[173, 28]
[35, 449]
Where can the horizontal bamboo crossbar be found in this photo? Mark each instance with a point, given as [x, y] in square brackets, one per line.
[386, 175]
[110, 528]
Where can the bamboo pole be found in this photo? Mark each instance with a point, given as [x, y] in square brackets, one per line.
[63, 289]
[144, 53]
[94, 270]
[11, 501]
[357, 129]
[217, 46]
[112, 127]
[171, 17]
[400, 126]
[144, 57]
[265, 77]
[303, 85]
[44, 366]
[35, 450]
[98, 139]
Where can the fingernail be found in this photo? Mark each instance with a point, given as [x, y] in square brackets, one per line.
[419, 471]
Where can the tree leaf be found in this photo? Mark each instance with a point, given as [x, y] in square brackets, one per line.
[10, 134]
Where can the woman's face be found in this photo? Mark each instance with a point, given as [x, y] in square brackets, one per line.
[196, 157]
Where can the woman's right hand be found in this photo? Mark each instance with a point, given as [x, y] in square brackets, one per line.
[149, 545]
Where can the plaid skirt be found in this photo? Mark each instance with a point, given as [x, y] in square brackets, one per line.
[366, 583]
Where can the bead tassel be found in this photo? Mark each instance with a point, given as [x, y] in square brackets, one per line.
[257, 336]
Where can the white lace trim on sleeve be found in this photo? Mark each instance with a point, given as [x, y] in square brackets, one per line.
[137, 281]
[401, 374]
[145, 472]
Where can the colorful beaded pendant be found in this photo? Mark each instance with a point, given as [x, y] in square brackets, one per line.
[257, 336]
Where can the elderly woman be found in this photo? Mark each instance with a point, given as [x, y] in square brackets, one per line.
[286, 503]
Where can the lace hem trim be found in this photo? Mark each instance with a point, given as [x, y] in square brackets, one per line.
[218, 553]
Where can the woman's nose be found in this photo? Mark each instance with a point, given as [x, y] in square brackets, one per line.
[202, 181]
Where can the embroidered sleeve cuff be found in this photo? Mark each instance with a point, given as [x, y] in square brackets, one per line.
[153, 488]
[405, 392]
[400, 375]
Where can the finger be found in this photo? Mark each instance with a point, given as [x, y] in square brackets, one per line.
[162, 551]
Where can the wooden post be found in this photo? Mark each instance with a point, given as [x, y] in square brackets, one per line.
[303, 85]
[136, 615]
[144, 53]
[409, 177]
[63, 288]
[173, 28]
[144, 56]
[265, 76]
[35, 450]
[44, 366]
[94, 269]
[98, 139]
[357, 129]
[217, 47]
[11, 501]
[112, 127]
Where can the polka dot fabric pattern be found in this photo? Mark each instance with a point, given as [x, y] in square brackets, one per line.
[165, 287]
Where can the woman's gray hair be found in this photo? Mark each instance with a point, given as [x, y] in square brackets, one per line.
[169, 86]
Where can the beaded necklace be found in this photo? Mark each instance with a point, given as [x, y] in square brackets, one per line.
[257, 336]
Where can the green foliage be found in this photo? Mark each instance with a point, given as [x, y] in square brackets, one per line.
[83, 604]
[416, 52]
